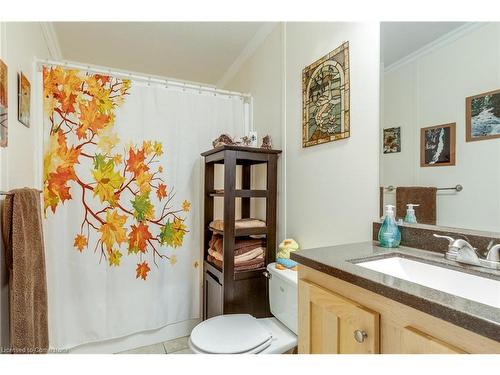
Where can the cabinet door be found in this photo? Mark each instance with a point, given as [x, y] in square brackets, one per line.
[212, 296]
[332, 324]
[414, 341]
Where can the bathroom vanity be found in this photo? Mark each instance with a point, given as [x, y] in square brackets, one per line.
[360, 298]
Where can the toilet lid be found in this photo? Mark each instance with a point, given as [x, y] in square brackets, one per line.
[230, 334]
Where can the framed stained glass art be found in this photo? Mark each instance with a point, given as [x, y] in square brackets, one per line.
[325, 98]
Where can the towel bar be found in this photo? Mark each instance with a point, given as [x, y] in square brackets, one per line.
[456, 188]
[7, 193]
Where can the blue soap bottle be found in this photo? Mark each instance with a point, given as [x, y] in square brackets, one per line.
[389, 234]
[410, 217]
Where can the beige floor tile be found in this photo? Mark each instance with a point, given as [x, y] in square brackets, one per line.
[184, 351]
[150, 349]
[175, 345]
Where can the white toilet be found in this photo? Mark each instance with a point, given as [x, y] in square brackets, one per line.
[244, 334]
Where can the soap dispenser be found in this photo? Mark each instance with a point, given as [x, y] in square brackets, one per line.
[410, 217]
[389, 234]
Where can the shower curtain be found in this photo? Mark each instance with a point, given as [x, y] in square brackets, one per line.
[122, 196]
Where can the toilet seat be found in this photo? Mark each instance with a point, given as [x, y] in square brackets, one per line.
[256, 350]
[230, 334]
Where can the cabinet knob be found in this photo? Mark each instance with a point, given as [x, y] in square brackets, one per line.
[360, 336]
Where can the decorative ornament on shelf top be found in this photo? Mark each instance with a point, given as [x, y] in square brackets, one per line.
[222, 140]
[246, 141]
[267, 142]
[283, 260]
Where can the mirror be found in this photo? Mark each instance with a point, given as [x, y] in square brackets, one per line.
[440, 122]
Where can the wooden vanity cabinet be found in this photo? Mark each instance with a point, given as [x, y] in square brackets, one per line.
[337, 317]
[414, 341]
[330, 323]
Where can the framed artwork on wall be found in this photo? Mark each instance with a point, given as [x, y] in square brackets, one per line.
[325, 98]
[3, 105]
[482, 116]
[392, 140]
[437, 145]
[24, 100]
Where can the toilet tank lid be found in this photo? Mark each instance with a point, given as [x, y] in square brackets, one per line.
[288, 276]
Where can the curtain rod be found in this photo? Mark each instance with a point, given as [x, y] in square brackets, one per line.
[166, 81]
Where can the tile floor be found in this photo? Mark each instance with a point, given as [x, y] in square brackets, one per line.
[176, 346]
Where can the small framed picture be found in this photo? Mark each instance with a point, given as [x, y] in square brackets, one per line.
[437, 145]
[4, 123]
[482, 116]
[24, 100]
[392, 140]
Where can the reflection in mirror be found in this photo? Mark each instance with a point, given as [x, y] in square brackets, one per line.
[440, 120]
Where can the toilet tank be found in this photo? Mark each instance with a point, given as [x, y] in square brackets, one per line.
[283, 296]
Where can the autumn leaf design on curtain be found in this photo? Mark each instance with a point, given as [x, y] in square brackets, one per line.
[80, 108]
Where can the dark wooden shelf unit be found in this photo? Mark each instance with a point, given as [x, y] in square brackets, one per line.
[225, 290]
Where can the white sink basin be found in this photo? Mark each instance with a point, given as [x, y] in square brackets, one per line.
[476, 288]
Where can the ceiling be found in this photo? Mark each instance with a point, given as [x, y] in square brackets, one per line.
[193, 51]
[399, 39]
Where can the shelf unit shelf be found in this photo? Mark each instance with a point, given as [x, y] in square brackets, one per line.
[238, 275]
[227, 291]
[244, 232]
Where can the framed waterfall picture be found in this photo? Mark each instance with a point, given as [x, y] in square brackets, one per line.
[482, 116]
[24, 100]
[437, 146]
[325, 98]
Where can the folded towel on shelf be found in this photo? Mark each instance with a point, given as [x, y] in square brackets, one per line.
[242, 245]
[424, 196]
[216, 242]
[250, 262]
[214, 261]
[254, 254]
[248, 266]
[238, 224]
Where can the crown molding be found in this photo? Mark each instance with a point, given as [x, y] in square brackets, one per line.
[435, 44]
[50, 36]
[246, 52]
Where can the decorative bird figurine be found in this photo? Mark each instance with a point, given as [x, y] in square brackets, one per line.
[283, 260]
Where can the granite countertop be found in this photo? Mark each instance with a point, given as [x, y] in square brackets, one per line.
[339, 261]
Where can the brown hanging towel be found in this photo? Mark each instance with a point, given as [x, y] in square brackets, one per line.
[424, 196]
[25, 258]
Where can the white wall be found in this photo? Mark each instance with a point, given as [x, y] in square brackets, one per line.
[262, 76]
[431, 90]
[329, 193]
[332, 189]
[20, 43]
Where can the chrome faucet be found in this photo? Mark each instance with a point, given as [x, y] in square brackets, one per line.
[461, 251]
[493, 253]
